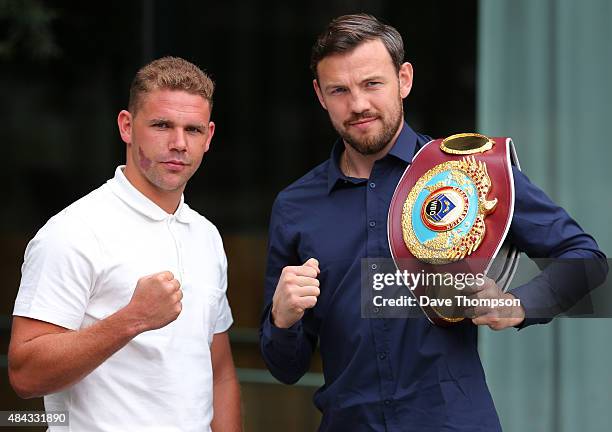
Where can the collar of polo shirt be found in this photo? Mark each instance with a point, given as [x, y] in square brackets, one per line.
[143, 205]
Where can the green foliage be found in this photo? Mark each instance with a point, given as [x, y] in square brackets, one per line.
[27, 30]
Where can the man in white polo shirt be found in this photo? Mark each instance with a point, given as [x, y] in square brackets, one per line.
[121, 317]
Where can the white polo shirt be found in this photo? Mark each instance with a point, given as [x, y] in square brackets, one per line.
[83, 266]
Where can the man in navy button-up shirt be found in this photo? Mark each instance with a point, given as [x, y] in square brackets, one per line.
[380, 374]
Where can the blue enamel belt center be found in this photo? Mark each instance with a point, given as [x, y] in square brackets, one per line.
[447, 202]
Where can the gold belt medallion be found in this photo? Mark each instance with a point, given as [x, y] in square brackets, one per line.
[443, 215]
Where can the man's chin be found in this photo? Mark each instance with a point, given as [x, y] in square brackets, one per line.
[366, 146]
[370, 143]
[168, 185]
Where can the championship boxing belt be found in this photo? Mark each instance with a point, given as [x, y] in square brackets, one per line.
[451, 212]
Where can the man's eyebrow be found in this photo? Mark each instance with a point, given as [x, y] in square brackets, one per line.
[373, 78]
[159, 120]
[367, 79]
[332, 85]
[165, 120]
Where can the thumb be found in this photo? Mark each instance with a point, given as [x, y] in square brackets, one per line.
[314, 263]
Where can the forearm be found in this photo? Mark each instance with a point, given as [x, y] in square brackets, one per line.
[226, 403]
[52, 362]
[561, 286]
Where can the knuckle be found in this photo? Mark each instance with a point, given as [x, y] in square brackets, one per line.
[285, 292]
[146, 279]
[310, 272]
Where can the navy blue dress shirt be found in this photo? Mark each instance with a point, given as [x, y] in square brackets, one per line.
[387, 374]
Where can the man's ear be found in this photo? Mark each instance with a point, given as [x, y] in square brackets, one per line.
[211, 132]
[124, 121]
[405, 79]
[317, 89]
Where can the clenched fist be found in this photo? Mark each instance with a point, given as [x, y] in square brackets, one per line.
[156, 301]
[296, 291]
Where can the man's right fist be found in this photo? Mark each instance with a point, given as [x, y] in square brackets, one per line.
[156, 301]
[296, 291]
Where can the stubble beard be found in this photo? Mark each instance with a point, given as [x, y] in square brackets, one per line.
[157, 179]
[370, 145]
[155, 174]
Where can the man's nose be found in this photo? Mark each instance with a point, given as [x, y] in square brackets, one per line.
[178, 141]
[359, 102]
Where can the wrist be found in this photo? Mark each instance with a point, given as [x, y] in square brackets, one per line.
[517, 312]
[276, 321]
[130, 322]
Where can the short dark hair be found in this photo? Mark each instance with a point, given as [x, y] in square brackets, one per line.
[345, 33]
[171, 73]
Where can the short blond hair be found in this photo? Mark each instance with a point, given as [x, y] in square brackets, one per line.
[171, 73]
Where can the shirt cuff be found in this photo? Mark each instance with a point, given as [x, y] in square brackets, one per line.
[528, 294]
[277, 334]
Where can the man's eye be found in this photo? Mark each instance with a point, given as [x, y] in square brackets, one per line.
[374, 83]
[194, 130]
[161, 125]
[338, 90]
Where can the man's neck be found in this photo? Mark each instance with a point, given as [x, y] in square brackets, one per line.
[355, 164]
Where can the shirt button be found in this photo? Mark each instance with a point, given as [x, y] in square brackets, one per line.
[387, 401]
[372, 185]
[375, 310]
[382, 356]
[372, 224]
[374, 266]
